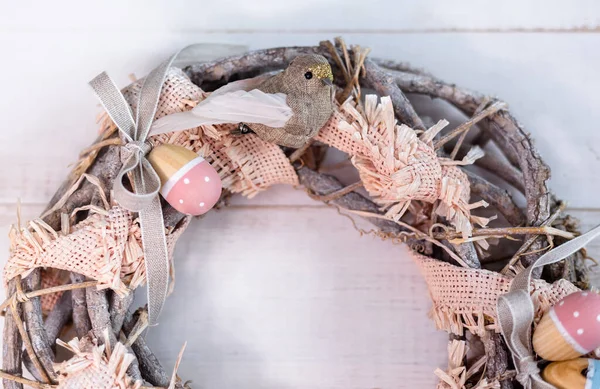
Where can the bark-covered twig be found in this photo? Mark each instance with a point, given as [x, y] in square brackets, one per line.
[467, 252]
[150, 367]
[498, 358]
[497, 197]
[260, 61]
[81, 319]
[497, 165]
[59, 317]
[32, 313]
[119, 307]
[105, 168]
[324, 184]
[507, 231]
[12, 343]
[97, 306]
[383, 83]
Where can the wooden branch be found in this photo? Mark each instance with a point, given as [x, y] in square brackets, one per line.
[105, 168]
[59, 317]
[405, 67]
[466, 126]
[498, 358]
[12, 343]
[81, 319]
[383, 83]
[497, 197]
[495, 164]
[324, 184]
[150, 367]
[338, 193]
[119, 307]
[97, 307]
[18, 382]
[32, 310]
[219, 72]
[467, 252]
[507, 231]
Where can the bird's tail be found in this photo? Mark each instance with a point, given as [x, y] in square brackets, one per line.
[178, 122]
[240, 106]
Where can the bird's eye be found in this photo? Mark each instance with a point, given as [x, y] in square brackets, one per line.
[308, 75]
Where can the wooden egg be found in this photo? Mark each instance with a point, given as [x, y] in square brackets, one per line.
[189, 183]
[578, 373]
[570, 328]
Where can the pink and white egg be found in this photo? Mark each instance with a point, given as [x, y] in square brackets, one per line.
[189, 183]
[570, 328]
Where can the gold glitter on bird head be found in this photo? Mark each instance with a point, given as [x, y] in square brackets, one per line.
[322, 70]
[316, 64]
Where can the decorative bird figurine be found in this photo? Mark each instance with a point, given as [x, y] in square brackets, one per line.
[287, 108]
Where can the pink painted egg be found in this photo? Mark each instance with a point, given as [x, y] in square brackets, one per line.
[189, 183]
[570, 328]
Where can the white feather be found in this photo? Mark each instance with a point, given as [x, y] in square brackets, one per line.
[245, 84]
[238, 106]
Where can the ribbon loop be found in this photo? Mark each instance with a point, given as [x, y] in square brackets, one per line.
[114, 104]
[515, 313]
[146, 182]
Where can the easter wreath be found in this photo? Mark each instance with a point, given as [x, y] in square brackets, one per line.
[82, 259]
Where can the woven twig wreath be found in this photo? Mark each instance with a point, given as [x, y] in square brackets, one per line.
[81, 261]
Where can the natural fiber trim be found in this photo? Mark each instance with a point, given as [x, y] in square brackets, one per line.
[466, 298]
[95, 366]
[397, 166]
[105, 247]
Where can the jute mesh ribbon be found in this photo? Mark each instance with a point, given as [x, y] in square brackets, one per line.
[105, 247]
[395, 165]
[96, 367]
[466, 298]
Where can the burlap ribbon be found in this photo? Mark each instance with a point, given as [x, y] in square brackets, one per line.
[144, 199]
[516, 312]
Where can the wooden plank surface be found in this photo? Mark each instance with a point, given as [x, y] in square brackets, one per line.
[296, 16]
[285, 293]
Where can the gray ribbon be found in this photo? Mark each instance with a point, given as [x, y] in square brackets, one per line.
[516, 311]
[144, 199]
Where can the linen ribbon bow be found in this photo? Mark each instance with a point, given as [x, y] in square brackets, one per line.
[516, 312]
[144, 199]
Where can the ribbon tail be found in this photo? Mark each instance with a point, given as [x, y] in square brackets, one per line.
[156, 258]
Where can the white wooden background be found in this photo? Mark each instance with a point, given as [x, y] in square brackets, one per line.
[280, 292]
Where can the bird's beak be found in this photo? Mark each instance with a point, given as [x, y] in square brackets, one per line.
[327, 81]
